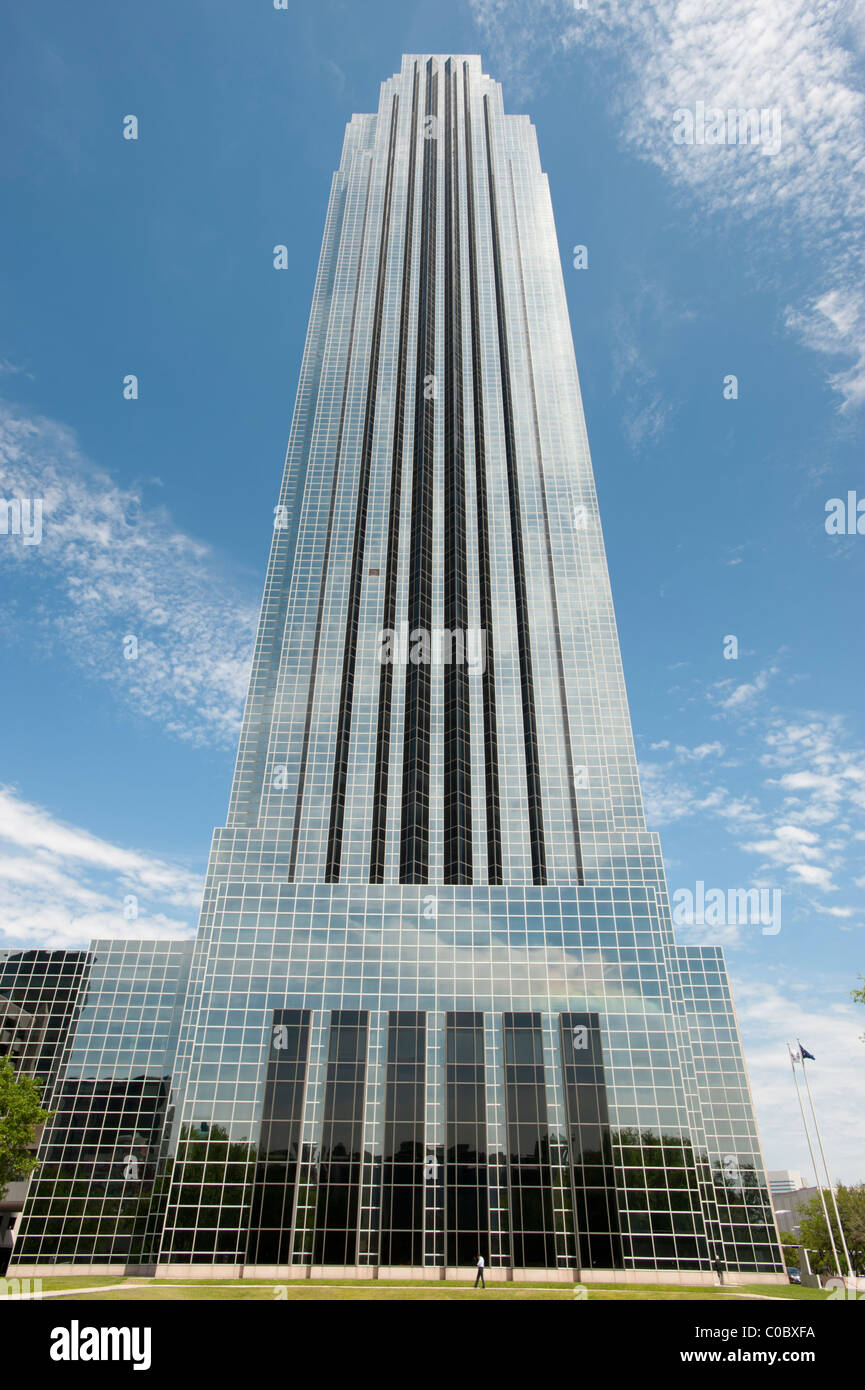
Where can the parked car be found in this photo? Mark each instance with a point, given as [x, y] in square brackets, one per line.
[794, 1276]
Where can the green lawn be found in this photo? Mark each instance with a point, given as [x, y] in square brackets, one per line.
[133, 1289]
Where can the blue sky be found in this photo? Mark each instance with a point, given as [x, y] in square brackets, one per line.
[154, 257]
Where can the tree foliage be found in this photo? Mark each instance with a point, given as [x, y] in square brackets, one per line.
[21, 1114]
[814, 1233]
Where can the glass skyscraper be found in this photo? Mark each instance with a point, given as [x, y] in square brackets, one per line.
[435, 1007]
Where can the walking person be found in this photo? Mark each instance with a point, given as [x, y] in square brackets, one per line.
[479, 1277]
[719, 1270]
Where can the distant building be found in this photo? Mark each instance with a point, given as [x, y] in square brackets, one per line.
[784, 1180]
[787, 1206]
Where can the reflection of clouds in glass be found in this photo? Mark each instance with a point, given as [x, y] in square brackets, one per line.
[496, 973]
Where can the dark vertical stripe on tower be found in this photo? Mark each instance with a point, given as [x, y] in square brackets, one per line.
[530, 1178]
[457, 731]
[274, 1198]
[466, 1174]
[414, 838]
[402, 1149]
[337, 1209]
[485, 596]
[388, 622]
[325, 564]
[530, 732]
[593, 1173]
[349, 655]
[551, 573]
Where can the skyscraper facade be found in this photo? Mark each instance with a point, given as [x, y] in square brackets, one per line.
[435, 1007]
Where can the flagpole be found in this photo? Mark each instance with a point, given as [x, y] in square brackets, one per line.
[825, 1164]
[813, 1159]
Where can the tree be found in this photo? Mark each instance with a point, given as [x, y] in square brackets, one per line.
[858, 997]
[814, 1234]
[20, 1116]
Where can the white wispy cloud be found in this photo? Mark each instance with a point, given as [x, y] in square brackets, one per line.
[801, 59]
[788, 845]
[667, 797]
[645, 312]
[834, 324]
[771, 1014]
[9, 368]
[108, 568]
[701, 751]
[801, 821]
[814, 874]
[731, 694]
[60, 886]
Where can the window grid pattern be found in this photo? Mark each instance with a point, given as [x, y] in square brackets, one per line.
[40, 993]
[529, 1151]
[685, 1192]
[273, 1201]
[98, 1194]
[403, 1152]
[603, 948]
[337, 1211]
[411, 512]
[596, 1218]
[437, 473]
[465, 1175]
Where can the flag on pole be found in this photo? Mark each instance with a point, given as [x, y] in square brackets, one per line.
[794, 1055]
[806, 1053]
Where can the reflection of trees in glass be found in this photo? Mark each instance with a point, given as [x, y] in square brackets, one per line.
[644, 1153]
[92, 1196]
[109, 1217]
[664, 1184]
[307, 1193]
[208, 1172]
[655, 1160]
[101, 1220]
[739, 1186]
